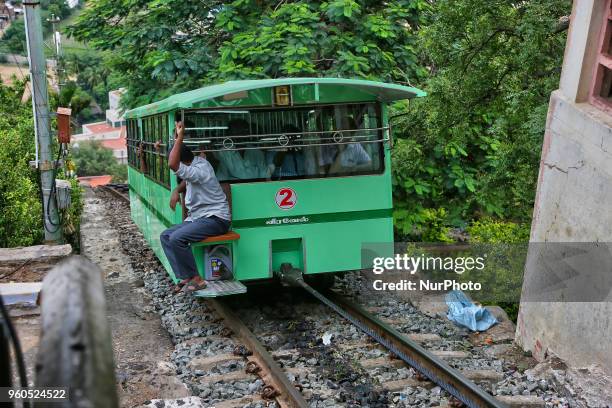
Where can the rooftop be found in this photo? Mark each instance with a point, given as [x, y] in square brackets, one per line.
[94, 181]
[114, 144]
[100, 127]
[384, 92]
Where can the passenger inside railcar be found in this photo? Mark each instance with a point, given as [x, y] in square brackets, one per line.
[289, 161]
[349, 155]
[246, 164]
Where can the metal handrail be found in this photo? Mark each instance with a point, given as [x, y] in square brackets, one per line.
[229, 144]
[315, 132]
[284, 140]
[278, 139]
[289, 146]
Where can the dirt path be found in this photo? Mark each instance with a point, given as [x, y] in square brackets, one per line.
[8, 70]
[141, 345]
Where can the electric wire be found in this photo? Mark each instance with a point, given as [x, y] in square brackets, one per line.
[53, 195]
[23, 379]
[46, 216]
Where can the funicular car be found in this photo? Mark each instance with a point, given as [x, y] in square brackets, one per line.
[305, 163]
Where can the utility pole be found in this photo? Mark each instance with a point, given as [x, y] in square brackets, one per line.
[54, 20]
[40, 107]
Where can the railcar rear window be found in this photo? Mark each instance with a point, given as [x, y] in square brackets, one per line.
[289, 143]
[151, 139]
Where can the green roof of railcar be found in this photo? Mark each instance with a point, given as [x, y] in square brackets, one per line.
[384, 92]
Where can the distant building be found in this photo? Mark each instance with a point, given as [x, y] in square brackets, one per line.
[114, 116]
[7, 14]
[110, 133]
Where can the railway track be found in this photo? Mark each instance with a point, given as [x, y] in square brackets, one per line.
[425, 362]
[259, 362]
[262, 363]
[235, 355]
[120, 191]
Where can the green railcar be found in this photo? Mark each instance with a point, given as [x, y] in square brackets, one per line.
[305, 163]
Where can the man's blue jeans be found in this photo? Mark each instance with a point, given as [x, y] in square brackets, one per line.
[176, 242]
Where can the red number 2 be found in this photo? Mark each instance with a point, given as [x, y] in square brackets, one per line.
[285, 198]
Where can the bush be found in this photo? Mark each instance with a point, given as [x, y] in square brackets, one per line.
[20, 201]
[421, 224]
[20, 205]
[473, 144]
[120, 173]
[71, 217]
[14, 37]
[505, 244]
[490, 230]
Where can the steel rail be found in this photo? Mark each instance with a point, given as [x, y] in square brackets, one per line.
[288, 396]
[116, 193]
[409, 351]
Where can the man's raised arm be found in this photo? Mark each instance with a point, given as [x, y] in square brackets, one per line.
[174, 158]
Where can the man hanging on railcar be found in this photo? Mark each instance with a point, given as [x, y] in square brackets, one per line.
[207, 207]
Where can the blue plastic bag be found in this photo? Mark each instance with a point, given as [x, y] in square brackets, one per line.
[463, 312]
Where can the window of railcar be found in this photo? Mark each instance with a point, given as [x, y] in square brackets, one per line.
[136, 142]
[154, 156]
[164, 151]
[150, 152]
[132, 142]
[129, 142]
[143, 141]
[130, 136]
[146, 138]
[289, 143]
[155, 128]
[158, 153]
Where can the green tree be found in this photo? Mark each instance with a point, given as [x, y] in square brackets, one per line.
[14, 38]
[473, 145]
[73, 96]
[92, 159]
[20, 206]
[92, 73]
[470, 149]
[164, 46]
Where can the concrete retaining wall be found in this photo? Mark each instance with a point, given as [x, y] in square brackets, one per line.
[573, 204]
